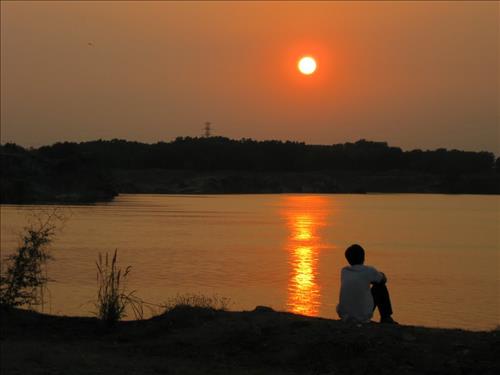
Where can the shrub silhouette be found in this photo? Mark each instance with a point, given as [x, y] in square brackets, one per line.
[25, 280]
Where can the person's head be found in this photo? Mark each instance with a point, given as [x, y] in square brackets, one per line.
[355, 255]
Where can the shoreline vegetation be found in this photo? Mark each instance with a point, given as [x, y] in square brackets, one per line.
[96, 171]
[194, 340]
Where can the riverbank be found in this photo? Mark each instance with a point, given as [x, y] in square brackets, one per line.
[190, 340]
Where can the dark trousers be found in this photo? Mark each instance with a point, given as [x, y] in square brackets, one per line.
[381, 299]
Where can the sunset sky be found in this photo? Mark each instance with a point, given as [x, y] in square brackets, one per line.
[418, 75]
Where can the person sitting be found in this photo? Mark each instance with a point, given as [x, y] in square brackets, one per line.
[357, 300]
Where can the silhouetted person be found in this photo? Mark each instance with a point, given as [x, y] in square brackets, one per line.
[357, 299]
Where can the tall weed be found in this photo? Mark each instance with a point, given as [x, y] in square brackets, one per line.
[113, 299]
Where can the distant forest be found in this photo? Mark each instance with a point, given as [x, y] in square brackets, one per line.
[218, 153]
[85, 169]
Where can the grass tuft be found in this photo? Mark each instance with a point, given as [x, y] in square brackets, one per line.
[214, 302]
[113, 299]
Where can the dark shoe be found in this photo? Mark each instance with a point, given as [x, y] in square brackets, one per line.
[388, 320]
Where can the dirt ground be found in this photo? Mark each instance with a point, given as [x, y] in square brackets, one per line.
[203, 341]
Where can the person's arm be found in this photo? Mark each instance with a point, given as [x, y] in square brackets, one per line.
[384, 278]
[378, 277]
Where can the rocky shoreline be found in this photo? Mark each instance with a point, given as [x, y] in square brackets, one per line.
[158, 181]
[227, 182]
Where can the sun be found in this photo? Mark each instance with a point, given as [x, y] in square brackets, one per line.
[307, 65]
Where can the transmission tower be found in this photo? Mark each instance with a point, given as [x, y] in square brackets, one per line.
[207, 129]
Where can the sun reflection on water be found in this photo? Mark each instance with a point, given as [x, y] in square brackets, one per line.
[305, 214]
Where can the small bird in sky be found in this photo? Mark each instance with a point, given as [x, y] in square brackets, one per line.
[90, 44]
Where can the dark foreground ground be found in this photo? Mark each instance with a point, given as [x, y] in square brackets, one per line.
[203, 341]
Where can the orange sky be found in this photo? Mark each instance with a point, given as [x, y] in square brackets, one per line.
[418, 75]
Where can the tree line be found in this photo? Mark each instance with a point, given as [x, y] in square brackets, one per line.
[219, 153]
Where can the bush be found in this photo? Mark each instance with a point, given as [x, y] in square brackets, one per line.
[25, 281]
[112, 296]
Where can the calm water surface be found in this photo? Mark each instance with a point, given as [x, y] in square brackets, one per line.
[440, 253]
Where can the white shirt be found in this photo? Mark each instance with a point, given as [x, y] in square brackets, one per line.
[356, 301]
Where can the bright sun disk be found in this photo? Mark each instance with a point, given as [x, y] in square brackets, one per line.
[307, 65]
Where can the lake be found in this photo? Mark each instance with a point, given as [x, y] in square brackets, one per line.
[439, 252]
